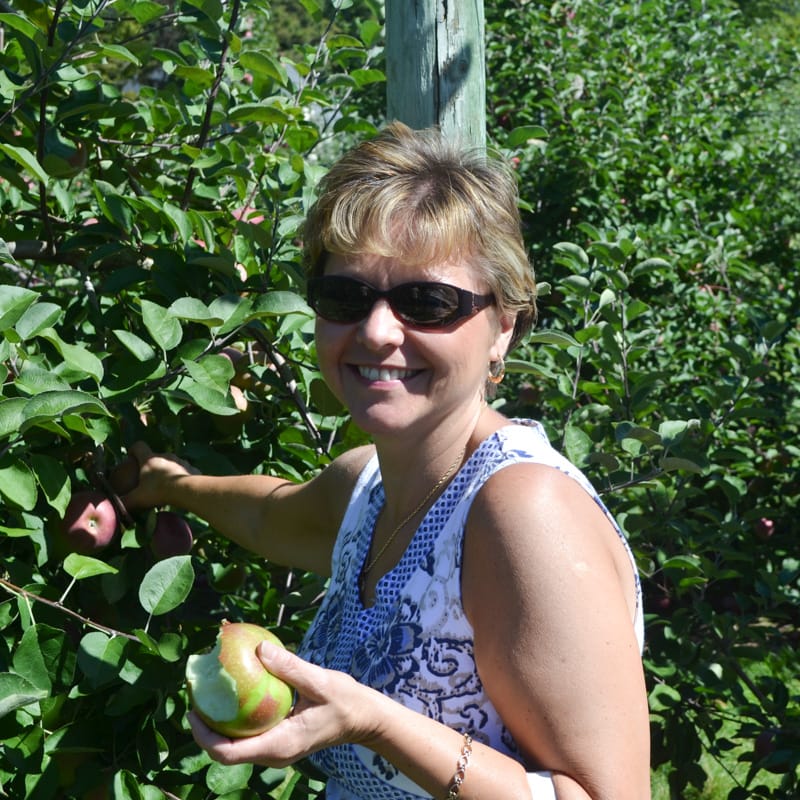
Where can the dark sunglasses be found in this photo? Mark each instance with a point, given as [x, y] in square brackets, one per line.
[423, 304]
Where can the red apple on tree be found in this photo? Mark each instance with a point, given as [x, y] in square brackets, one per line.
[89, 523]
[124, 477]
[172, 536]
[229, 687]
[765, 527]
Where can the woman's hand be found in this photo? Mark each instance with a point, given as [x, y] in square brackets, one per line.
[156, 473]
[331, 708]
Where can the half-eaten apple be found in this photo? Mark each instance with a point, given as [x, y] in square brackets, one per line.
[229, 687]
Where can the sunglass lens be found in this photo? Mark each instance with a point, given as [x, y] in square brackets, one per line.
[427, 304]
[341, 299]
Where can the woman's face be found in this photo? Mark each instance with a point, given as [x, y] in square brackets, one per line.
[395, 378]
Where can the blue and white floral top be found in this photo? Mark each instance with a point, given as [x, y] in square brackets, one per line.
[415, 643]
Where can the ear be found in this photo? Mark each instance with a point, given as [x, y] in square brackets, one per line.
[503, 337]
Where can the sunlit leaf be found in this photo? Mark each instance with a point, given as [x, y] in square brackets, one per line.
[166, 585]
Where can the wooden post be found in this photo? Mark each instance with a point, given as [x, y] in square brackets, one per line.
[436, 66]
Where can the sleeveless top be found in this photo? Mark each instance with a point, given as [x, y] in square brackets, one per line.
[415, 643]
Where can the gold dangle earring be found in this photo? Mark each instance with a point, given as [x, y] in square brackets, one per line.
[497, 371]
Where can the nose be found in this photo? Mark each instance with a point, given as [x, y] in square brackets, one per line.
[380, 327]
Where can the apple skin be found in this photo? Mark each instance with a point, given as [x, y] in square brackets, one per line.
[124, 477]
[765, 527]
[89, 523]
[172, 536]
[263, 699]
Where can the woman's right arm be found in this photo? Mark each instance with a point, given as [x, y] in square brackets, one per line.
[290, 524]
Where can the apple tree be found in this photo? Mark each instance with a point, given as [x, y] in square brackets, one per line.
[156, 161]
[661, 174]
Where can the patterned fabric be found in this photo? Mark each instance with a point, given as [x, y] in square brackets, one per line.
[415, 643]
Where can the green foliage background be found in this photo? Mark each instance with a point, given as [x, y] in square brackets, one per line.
[156, 160]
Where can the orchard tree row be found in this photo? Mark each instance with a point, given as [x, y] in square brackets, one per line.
[156, 162]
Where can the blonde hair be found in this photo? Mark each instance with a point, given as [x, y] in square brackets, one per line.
[411, 195]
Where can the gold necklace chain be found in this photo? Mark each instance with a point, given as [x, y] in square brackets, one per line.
[367, 567]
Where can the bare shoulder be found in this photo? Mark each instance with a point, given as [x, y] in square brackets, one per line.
[345, 469]
[538, 517]
[550, 592]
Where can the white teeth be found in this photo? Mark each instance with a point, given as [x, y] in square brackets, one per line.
[383, 374]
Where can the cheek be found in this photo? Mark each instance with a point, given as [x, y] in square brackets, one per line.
[329, 339]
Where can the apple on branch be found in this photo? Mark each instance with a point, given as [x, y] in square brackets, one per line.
[229, 687]
[124, 477]
[89, 523]
[172, 536]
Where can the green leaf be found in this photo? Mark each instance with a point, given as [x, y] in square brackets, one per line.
[213, 371]
[571, 255]
[14, 301]
[199, 77]
[194, 310]
[649, 265]
[222, 779]
[259, 112]
[664, 697]
[100, 657]
[672, 463]
[114, 206]
[118, 52]
[364, 77]
[263, 65]
[233, 309]
[166, 585]
[274, 304]
[12, 415]
[163, 327]
[138, 347]
[77, 357]
[672, 431]
[577, 444]
[208, 396]
[43, 657]
[80, 567]
[16, 692]
[526, 135]
[18, 484]
[627, 430]
[26, 160]
[53, 405]
[53, 479]
[23, 25]
[144, 11]
[686, 563]
[555, 337]
[179, 219]
[37, 318]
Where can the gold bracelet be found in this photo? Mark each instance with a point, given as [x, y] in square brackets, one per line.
[461, 769]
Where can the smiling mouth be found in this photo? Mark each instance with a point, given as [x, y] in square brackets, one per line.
[386, 374]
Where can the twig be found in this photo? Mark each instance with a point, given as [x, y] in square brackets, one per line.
[205, 128]
[18, 591]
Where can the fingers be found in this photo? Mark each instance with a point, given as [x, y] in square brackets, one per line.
[290, 668]
[310, 681]
[278, 747]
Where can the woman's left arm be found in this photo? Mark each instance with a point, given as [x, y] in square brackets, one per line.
[551, 594]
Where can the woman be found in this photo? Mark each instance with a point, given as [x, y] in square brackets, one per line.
[482, 631]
